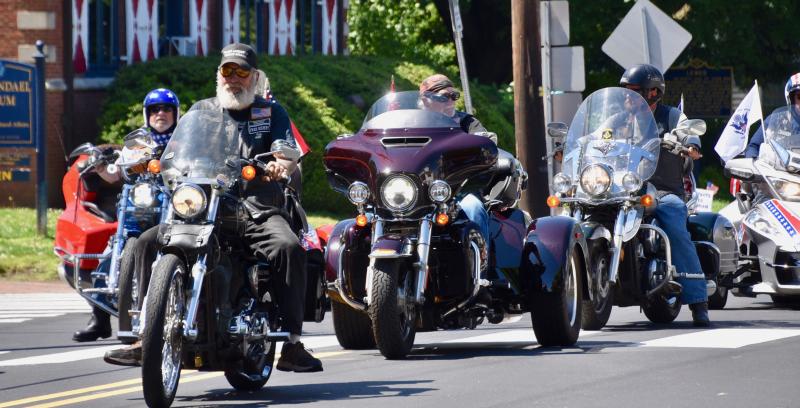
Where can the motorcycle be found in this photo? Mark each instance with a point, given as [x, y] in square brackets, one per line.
[767, 191]
[607, 233]
[210, 304]
[408, 262]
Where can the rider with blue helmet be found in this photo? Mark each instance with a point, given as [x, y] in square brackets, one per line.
[792, 94]
[161, 111]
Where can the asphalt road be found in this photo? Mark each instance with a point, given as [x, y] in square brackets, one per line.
[749, 358]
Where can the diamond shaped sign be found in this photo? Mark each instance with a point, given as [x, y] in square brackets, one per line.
[646, 35]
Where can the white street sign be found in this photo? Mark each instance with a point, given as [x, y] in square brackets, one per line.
[567, 73]
[559, 22]
[565, 105]
[646, 35]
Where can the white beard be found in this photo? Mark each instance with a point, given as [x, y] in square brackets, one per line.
[232, 101]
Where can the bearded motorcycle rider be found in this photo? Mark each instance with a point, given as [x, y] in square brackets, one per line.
[160, 111]
[648, 81]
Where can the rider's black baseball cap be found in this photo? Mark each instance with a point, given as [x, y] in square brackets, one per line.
[241, 54]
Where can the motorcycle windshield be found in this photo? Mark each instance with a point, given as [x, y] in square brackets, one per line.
[782, 132]
[406, 110]
[205, 145]
[613, 128]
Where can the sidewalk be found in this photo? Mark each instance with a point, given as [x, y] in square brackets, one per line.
[9, 286]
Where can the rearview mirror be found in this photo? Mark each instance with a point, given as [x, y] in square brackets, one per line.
[285, 150]
[693, 127]
[557, 129]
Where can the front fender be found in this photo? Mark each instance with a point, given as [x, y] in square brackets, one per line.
[391, 246]
[546, 250]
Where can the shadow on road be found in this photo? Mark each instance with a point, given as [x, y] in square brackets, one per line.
[307, 393]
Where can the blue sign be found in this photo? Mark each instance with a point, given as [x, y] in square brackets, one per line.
[706, 90]
[17, 104]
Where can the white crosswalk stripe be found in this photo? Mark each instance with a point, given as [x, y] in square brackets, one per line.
[19, 308]
[722, 338]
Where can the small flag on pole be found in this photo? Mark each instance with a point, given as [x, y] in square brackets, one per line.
[680, 105]
[733, 139]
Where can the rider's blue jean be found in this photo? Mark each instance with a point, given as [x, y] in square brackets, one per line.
[671, 215]
[475, 212]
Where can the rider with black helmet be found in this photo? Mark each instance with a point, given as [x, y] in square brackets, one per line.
[648, 81]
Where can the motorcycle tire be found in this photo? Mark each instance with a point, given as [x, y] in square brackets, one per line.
[128, 288]
[352, 327]
[254, 369]
[783, 300]
[393, 324]
[661, 311]
[718, 300]
[556, 316]
[166, 305]
[596, 309]
[316, 298]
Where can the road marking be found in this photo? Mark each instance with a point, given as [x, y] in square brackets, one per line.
[13, 320]
[66, 357]
[31, 315]
[510, 336]
[137, 388]
[722, 338]
[4, 352]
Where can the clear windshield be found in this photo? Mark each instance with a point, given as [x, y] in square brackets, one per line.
[200, 146]
[782, 132]
[406, 110]
[613, 127]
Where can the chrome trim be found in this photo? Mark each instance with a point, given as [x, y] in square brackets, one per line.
[402, 141]
[198, 272]
[423, 249]
[670, 268]
[339, 284]
[476, 280]
[616, 246]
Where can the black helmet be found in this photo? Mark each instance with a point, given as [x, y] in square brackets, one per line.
[645, 76]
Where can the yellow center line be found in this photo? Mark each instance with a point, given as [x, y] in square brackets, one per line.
[136, 381]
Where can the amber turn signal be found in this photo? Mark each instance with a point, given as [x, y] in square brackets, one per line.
[154, 166]
[553, 201]
[361, 220]
[647, 200]
[248, 172]
[442, 219]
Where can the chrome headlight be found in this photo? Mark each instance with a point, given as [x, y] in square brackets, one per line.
[143, 195]
[631, 182]
[595, 179]
[399, 193]
[788, 190]
[439, 191]
[561, 183]
[358, 193]
[188, 200]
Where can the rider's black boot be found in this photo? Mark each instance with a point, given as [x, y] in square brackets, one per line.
[99, 327]
[700, 314]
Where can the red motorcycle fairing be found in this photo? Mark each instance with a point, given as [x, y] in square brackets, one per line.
[79, 231]
[546, 251]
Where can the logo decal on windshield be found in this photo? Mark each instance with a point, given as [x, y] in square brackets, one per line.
[607, 134]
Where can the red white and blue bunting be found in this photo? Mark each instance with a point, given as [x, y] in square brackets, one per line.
[330, 23]
[80, 35]
[141, 18]
[281, 27]
[198, 25]
[230, 22]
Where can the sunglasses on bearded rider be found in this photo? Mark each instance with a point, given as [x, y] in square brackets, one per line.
[159, 108]
[228, 70]
[442, 98]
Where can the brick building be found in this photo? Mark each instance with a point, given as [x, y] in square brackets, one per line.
[86, 41]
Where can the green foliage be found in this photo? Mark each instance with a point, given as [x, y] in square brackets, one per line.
[318, 92]
[22, 251]
[406, 29]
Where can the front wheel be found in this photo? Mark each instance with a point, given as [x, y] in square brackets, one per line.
[556, 315]
[718, 300]
[128, 287]
[392, 311]
[162, 339]
[597, 309]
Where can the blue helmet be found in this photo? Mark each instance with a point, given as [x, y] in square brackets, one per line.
[161, 96]
[792, 86]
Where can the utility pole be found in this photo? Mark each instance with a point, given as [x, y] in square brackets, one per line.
[528, 105]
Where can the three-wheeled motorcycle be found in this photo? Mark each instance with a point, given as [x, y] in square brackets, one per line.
[411, 260]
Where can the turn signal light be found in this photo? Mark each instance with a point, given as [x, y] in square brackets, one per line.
[361, 220]
[442, 219]
[154, 166]
[553, 201]
[647, 200]
[248, 172]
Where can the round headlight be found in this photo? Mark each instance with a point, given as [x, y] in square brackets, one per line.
[399, 193]
[631, 182]
[358, 193]
[188, 201]
[595, 179]
[561, 183]
[142, 195]
[439, 191]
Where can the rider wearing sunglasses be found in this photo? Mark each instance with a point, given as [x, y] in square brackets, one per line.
[437, 93]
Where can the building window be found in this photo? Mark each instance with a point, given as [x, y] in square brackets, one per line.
[103, 37]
